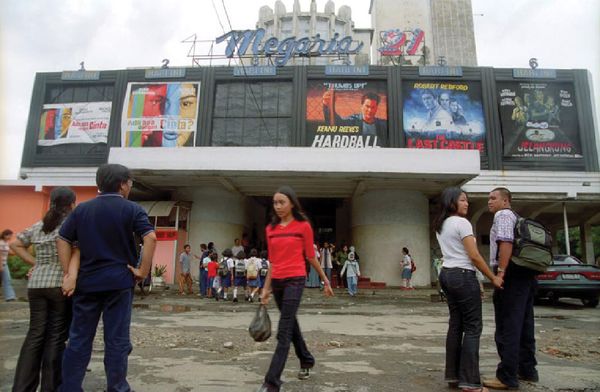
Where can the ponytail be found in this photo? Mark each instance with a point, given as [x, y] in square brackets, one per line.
[61, 200]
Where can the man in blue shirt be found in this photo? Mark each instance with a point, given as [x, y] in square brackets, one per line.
[103, 230]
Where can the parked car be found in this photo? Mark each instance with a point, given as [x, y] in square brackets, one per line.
[568, 277]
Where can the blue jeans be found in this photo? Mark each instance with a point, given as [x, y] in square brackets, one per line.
[203, 281]
[287, 294]
[115, 308]
[7, 289]
[464, 328]
[515, 339]
[352, 284]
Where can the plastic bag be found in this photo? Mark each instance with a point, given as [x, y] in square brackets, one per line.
[260, 327]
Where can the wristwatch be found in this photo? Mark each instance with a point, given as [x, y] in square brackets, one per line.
[500, 269]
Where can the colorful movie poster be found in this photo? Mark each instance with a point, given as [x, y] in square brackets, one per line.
[68, 123]
[539, 120]
[346, 114]
[444, 115]
[162, 114]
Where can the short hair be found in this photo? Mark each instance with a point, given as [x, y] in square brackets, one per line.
[253, 252]
[264, 254]
[371, 96]
[202, 246]
[428, 92]
[186, 246]
[505, 193]
[240, 255]
[110, 176]
[5, 233]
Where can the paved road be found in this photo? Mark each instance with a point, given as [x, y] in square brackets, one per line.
[387, 340]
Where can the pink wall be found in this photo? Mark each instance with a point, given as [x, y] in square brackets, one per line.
[164, 255]
[22, 206]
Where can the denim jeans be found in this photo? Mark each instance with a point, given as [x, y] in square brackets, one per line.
[515, 339]
[287, 294]
[115, 308]
[203, 281]
[352, 284]
[464, 330]
[7, 289]
[49, 319]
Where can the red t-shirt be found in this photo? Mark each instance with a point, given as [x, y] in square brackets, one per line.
[288, 247]
[213, 266]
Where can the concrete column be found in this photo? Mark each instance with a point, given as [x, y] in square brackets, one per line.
[587, 245]
[217, 215]
[384, 221]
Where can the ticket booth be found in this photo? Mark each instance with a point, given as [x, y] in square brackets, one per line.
[170, 219]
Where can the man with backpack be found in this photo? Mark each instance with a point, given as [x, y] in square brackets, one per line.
[513, 305]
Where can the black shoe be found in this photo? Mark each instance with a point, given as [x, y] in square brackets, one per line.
[235, 299]
[534, 377]
[304, 374]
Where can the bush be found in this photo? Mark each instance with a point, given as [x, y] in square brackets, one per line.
[18, 268]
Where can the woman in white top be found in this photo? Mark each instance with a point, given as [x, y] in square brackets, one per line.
[459, 282]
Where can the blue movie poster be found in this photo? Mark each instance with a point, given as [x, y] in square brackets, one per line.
[443, 115]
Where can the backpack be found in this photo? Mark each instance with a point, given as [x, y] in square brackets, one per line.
[240, 268]
[413, 266]
[264, 267]
[251, 270]
[223, 269]
[532, 245]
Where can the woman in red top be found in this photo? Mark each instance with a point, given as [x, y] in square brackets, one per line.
[290, 243]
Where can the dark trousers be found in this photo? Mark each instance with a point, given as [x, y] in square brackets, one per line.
[464, 329]
[203, 281]
[115, 308]
[515, 338]
[49, 318]
[287, 294]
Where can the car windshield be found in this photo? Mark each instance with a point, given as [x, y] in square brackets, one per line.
[566, 260]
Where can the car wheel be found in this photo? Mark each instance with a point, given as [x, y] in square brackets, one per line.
[590, 302]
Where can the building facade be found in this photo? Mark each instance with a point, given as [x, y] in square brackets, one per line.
[368, 148]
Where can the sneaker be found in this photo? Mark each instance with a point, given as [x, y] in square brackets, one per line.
[304, 374]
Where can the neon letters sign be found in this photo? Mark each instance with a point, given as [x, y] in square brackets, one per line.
[402, 43]
[285, 49]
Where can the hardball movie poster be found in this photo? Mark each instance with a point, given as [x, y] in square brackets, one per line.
[539, 120]
[69, 123]
[160, 114]
[346, 114]
[443, 115]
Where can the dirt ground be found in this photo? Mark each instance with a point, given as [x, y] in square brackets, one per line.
[383, 340]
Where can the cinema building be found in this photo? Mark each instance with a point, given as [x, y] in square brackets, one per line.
[368, 147]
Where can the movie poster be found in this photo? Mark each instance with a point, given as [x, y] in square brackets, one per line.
[162, 114]
[444, 115]
[68, 123]
[539, 120]
[346, 114]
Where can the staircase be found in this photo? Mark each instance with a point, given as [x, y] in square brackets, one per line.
[363, 283]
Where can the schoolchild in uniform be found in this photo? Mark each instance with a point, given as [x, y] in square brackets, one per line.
[253, 274]
[264, 269]
[225, 269]
[239, 268]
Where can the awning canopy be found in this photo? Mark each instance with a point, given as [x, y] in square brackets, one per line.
[157, 208]
[312, 172]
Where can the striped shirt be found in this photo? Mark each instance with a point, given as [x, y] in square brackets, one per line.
[48, 272]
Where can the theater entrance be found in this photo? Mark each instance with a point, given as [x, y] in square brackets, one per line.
[330, 217]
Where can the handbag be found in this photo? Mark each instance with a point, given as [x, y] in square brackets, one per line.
[260, 327]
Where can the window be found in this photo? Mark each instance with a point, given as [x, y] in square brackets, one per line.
[252, 114]
[71, 93]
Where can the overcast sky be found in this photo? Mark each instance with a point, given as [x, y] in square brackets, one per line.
[56, 35]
